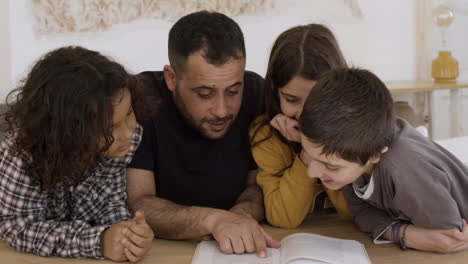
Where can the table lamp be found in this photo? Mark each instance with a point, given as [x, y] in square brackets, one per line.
[444, 67]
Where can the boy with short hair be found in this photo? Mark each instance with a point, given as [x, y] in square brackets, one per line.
[394, 179]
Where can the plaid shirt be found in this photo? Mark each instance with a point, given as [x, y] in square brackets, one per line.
[65, 222]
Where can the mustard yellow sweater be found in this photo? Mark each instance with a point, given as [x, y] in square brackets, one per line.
[290, 195]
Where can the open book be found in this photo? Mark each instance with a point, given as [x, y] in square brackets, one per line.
[299, 248]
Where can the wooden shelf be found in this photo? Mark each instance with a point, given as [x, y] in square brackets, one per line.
[423, 86]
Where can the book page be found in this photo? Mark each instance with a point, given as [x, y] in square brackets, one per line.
[302, 247]
[208, 252]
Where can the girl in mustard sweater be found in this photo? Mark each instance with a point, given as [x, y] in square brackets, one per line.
[298, 57]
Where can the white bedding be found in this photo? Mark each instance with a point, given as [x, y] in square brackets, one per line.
[458, 146]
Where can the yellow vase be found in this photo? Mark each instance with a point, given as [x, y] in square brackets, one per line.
[445, 67]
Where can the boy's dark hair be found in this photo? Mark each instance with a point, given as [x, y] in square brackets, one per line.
[350, 113]
[218, 37]
[62, 113]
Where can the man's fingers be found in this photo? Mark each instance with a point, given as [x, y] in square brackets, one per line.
[270, 241]
[237, 245]
[273, 243]
[249, 244]
[225, 245]
[207, 237]
[260, 243]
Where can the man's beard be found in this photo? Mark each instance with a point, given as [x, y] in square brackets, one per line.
[198, 126]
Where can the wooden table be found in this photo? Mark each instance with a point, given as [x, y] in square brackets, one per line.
[427, 87]
[180, 252]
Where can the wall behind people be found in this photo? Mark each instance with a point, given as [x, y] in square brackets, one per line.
[457, 43]
[384, 39]
[5, 63]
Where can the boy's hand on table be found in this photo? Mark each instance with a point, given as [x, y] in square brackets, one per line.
[111, 246]
[138, 238]
[437, 240]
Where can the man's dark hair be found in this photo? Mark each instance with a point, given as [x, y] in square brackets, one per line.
[350, 113]
[218, 37]
[62, 113]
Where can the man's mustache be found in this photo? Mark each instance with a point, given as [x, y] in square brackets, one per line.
[218, 120]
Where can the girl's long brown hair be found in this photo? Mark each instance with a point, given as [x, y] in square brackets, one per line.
[305, 51]
[61, 114]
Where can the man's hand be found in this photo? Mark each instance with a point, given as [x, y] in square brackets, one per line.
[287, 126]
[111, 247]
[138, 238]
[238, 234]
[440, 241]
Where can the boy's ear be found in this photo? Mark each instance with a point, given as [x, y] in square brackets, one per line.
[376, 158]
[170, 77]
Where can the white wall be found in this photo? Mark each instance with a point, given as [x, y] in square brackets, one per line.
[457, 42]
[5, 63]
[385, 40]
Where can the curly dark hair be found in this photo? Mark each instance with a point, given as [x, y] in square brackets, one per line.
[62, 111]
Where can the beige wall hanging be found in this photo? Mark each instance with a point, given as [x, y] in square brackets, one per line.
[53, 16]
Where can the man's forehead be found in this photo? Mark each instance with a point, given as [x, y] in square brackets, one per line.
[217, 85]
[196, 60]
[212, 76]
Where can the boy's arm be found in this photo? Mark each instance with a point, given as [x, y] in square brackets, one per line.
[23, 223]
[369, 218]
[115, 199]
[116, 208]
[452, 238]
[31, 233]
[423, 196]
[437, 240]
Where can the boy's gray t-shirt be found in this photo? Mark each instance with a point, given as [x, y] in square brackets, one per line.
[416, 180]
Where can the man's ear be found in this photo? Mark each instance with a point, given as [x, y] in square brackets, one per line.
[170, 77]
[376, 158]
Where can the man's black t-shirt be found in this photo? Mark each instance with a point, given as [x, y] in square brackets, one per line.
[190, 169]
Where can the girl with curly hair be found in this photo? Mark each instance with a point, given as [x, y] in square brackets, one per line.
[71, 130]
